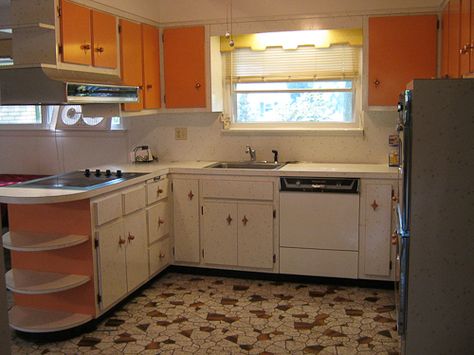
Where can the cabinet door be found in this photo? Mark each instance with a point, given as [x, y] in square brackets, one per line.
[466, 53]
[401, 48]
[184, 67]
[75, 33]
[445, 42]
[104, 40]
[471, 42]
[158, 221]
[160, 255]
[112, 269]
[454, 39]
[131, 59]
[255, 235]
[186, 220]
[219, 233]
[376, 240]
[151, 67]
[137, 249]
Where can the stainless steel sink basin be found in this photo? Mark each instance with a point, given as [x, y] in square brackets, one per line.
[246, 165]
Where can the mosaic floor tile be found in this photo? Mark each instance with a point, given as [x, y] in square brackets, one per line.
[184, 314]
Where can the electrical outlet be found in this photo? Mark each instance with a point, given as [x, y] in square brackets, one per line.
[181, 133]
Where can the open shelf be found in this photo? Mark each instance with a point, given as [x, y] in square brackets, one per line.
[41, 321]
[37, 282]
[27, 241]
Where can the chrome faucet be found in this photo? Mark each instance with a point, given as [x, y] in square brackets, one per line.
[252, 152]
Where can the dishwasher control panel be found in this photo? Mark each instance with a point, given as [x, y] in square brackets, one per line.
[308, 184]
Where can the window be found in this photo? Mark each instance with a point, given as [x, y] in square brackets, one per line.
[304, 87]
[20, 115]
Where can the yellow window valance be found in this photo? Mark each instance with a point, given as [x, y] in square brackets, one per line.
[294, 39]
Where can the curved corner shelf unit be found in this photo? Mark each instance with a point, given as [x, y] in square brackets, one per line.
[28, 241]
[41, 321]
[38, 282]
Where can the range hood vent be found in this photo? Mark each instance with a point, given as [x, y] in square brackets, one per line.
[47, 85]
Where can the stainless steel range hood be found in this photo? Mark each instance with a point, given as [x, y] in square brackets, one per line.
[48, 85]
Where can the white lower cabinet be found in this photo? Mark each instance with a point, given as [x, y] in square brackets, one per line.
[237, 234]
[122, 250]
[160, 255]
[376, 252]
[186, 220]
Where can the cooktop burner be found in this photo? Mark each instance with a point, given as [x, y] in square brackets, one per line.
[80, 180]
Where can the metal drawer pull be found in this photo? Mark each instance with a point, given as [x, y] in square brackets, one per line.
[130, 237]
[229, 219]
[377, 82]
[100, 49]
[395, 237]
[159, 191]
[85, 47]
[245, 220]
[374, 205]
[121, 241]
[162, 255]
[160, 222]
[190, 195]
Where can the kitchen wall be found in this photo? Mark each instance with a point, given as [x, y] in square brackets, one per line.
[41, 152]
[207, 142]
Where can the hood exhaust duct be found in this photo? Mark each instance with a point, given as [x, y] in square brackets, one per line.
[48, 85]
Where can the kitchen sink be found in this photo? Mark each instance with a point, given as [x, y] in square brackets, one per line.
[246, 165]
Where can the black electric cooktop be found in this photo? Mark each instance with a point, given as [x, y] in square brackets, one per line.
[80, 180]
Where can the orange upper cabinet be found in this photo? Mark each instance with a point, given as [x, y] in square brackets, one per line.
[401, 48]
[454, 38]
[75, 33]
[466, 50]
[151, 67]
[104, 40]
[445, 42]
[131, 59]
[184, 67]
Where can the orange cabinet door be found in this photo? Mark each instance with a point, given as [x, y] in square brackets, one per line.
[184, 67]
[454, 38]
[75, 34]
[151, 67]
[401, 48]
[104, 40]
[445, 42]
[131, 59]
[471, 42]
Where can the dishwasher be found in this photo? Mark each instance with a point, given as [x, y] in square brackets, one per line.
[319, 226]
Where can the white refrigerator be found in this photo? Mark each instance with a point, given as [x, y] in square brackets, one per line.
[436, 218]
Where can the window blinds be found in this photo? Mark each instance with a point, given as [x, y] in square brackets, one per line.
[304, 63]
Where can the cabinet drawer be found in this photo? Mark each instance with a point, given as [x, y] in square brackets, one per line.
[158, 221]
[160, 255]
[246, 190]
[133, 199]
[315, 262]
[156, 190]
[107, 208]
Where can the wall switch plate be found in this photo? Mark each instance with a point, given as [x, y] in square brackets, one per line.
[181, 133]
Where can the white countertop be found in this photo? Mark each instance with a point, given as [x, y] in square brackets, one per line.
[20, 195]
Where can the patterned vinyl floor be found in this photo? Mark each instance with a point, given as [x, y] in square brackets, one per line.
[187, 314]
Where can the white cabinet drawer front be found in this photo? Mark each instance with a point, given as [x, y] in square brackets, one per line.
[319, 220]
[160, 255]
[107, 208]
[157, 190]
[158, 221]
[248, 190]
[314, 262]
[133, 199]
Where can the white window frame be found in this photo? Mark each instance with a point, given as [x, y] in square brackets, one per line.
[29, 126]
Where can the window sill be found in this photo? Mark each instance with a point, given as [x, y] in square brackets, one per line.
[239, 131]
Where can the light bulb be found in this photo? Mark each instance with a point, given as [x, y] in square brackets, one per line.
[227, 34]
[231, 43]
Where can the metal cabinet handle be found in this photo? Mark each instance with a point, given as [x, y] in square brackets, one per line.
[85, 47]
[149, 86]
[377, 82]
[374, 205]
[162, 255]
[464, 49]
[394, 237]
[190, 195]
[160, 222]
[394, 198]
[229, 219]
[100, 49]
[159, 191]
[197, 85]
[245, 220]
[130, 237]
[121, 241]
